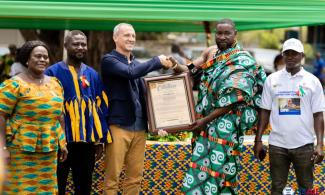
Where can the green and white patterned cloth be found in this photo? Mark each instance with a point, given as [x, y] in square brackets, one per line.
[231, 78]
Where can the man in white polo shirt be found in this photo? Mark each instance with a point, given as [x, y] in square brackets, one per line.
[293, 101]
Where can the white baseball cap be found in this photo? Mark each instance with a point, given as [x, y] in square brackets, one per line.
[293, 44]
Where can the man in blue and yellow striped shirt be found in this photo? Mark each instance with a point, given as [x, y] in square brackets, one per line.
[85, 109]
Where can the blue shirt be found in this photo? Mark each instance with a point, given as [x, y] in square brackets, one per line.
[125, 89]
[319, 64]
[140, 122]
[85, 103]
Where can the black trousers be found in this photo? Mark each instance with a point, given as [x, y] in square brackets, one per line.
[81, 160]
[280, 160]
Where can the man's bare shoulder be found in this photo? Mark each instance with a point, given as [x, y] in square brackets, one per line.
[212, 48]
[206, 55]
[210, 52]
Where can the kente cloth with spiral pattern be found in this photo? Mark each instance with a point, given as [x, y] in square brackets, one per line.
[231, 78]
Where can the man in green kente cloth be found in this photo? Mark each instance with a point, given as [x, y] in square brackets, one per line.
[229, 97]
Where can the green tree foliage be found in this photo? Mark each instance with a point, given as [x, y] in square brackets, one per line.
[309, 52]
[269, 40]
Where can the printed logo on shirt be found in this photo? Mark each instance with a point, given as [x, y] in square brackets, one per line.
[289, 106]
[301, 92]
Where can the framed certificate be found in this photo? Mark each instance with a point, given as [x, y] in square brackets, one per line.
[170, 102]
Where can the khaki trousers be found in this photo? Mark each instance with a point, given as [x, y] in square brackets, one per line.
[127, 149]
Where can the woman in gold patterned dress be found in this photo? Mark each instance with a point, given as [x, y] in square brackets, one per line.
[30, 109]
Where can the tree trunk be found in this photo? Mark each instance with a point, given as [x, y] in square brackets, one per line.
[99, 43]
[52, 38]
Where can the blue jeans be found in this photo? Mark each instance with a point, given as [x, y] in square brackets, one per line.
[280, 160]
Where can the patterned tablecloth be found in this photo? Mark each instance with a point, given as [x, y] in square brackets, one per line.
[165, 164]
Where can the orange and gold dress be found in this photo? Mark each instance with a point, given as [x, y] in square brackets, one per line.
[33, 134]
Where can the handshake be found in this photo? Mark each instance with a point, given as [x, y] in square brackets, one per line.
[168, 62]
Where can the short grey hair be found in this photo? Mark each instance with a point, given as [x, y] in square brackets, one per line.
[227, 21]
[117, 27]
[72, 33]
